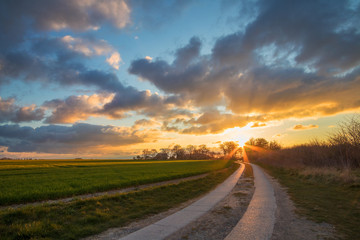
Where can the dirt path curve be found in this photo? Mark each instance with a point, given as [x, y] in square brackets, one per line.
[109, 193]
[259, 218]
[228, 215]
[173, 223]
[218, 223]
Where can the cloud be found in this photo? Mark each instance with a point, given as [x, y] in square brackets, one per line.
[53, 61]
[272, 68]
[144, 123]
[83, 15]
[87, 46]
[279, 135]
[189, 75]
[75, 108]
[257, 124]
[209, 122]
[66, 68]
[114, 106]
[304, 127]
[146, 103]
[92, 47]
[57, 15]
[78, 138]
[114, 60]
[10, 112]
[283, 62]
[148, 58]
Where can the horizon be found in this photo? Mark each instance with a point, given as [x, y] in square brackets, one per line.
[105, 80]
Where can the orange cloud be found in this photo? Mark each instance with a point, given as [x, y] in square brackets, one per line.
[75, 108]
[257, 124]
[304, 127]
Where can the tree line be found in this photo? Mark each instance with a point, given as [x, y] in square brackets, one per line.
[229, 149]
[263, 143]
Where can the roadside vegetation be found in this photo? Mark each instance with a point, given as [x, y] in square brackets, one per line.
[322, 177]
[81, 218]
[24, 181]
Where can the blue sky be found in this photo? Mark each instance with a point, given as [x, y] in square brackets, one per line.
[110, 78]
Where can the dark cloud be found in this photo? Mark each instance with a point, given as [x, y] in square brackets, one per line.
[10, 112]
[114, 106]
[294, 59]
[316, 31]
[64, 67]
[290, 59]
[62, 139]
[189, 75]
[185, 56]
[20, 18]
[29, 56]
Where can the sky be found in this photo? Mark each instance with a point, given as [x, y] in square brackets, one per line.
[106, 79]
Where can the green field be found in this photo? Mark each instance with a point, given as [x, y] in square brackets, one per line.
[81, 218]
[33, 180]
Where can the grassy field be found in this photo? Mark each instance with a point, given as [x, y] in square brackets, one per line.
[33, 180]
[81, 218]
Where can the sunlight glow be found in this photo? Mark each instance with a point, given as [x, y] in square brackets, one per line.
[235, 134]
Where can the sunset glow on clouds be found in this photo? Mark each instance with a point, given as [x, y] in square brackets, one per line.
[74, 79]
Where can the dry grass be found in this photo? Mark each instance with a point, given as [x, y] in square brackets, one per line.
[331, 174]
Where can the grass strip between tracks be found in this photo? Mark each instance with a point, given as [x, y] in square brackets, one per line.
[83, 218]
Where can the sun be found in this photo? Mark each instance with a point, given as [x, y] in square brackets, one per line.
[241, 140]
[235, 134]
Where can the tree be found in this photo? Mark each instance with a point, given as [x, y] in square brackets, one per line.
[191, 150]
[261, 142]
[161, 156]
[203, 149]
[153, 153]
[178, 152]
[251, 142]
[274, 145]
[146, 154]
[229, 148]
